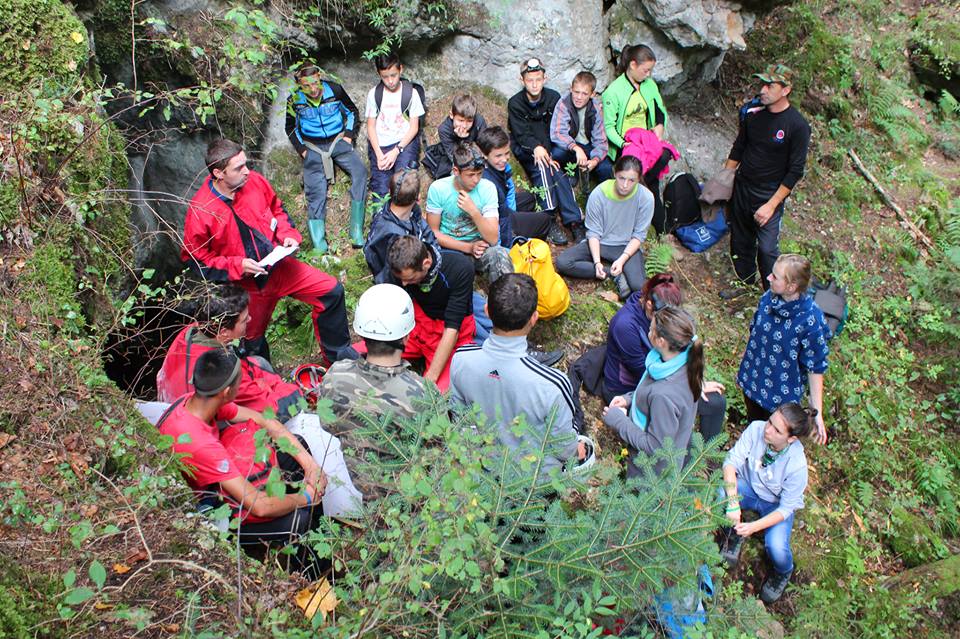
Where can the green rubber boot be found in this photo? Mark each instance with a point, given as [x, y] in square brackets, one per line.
[317, 235]
[356, 223]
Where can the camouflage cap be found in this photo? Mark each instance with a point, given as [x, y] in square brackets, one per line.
[779, 73]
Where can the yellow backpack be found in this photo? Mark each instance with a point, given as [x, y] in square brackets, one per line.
[533, 258]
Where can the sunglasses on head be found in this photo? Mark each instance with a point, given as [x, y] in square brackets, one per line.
[476, 161]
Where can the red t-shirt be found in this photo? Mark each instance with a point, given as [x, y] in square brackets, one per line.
[212, 457]
[259, 388]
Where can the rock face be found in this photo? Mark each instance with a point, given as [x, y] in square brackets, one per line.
[689, 38]
[567, 35]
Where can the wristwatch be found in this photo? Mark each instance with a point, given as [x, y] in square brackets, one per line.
[399, 148]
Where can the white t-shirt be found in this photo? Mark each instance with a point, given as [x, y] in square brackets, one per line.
[391, 124]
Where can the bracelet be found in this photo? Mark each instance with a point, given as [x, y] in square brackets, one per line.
[626, 255]
[596, 263]
[307, 495]
[733, 510]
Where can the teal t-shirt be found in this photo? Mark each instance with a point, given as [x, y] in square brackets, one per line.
[454, 221]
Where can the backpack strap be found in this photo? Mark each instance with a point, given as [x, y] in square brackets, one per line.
[172, 407]
[378, 96]
[406, 96]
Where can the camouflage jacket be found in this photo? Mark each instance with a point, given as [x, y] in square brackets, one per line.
[356, 385]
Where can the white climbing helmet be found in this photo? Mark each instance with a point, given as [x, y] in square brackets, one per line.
[590, 459]
[385, 313]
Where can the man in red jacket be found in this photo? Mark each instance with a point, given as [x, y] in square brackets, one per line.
[221, 321]
[234, 221]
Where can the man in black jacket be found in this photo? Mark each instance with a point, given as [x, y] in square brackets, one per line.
[529, 115]
[769, 155]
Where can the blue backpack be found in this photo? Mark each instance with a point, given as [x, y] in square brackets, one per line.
[701, 235]
[677, 614]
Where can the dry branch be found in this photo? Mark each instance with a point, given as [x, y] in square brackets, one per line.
[914, 230]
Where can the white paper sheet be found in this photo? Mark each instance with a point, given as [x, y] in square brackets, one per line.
[276, 255]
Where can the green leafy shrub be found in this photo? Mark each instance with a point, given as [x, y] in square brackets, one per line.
[472, 542]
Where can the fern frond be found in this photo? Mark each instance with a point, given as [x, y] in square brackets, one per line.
[658, 258]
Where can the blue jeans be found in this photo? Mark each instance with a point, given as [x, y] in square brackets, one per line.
[556, 192]
[380, 180]
[776, 538]
[315, 180]
[603, 171]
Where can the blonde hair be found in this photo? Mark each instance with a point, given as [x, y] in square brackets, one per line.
[796, 270]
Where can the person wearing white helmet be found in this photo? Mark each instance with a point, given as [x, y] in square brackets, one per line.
[381, 381]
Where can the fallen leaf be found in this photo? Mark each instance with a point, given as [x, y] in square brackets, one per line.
[77, 37]
[121, 569]
[172, 628]
[859, 521]
[610, 296]
[140, 555]
[317, 596]
[102, 606]
[6, 438]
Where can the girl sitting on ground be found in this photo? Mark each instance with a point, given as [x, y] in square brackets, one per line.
[616, 367]
[618, 216]
[663, 406]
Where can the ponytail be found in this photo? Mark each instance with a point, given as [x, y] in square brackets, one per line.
[677, 327]
[695, 367]
[800, 421]
[638, 53]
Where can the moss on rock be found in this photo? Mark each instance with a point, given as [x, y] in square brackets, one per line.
[913, 539]
[40, 39]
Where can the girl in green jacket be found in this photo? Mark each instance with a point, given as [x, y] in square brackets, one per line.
[633, 101]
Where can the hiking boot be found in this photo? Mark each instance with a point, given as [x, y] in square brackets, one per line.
[732, 544]
[547, 358]
[557, 235]
[623, 289]
[579, 232]
[732, 293]
[773, 586]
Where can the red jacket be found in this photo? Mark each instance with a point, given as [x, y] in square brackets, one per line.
[215, 243]
[259, 388]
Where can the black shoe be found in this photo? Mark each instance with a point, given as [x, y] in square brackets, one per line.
[579, 232]
[733, 293]
[773, 586]
[732, 544]
[547, 358]
[557, 235]
[623, 289]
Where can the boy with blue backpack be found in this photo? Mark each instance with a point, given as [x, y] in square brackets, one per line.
[322, 123]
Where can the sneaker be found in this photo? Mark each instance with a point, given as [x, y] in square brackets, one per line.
[557, 235]
[547, 358]
[732, 544]
[579, 232]
[623, 289]
[773, 586]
